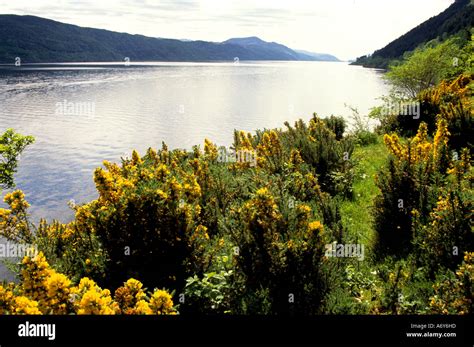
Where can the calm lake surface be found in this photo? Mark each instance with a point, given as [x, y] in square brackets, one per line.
[116, 109]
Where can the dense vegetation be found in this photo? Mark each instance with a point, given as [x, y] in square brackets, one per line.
[11, 147]
[457, 19]
[254, 232]
[39, 40]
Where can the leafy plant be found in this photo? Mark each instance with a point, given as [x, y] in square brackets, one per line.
[209, 294]
[11, 146]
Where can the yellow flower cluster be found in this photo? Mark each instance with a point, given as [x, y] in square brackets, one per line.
[315, 124]
[243, 141]
[309, 230]
[270, 145]
[16, 304]
[132, 299]
[56, 230]
[57, 290]
[89, 298]
[169, 182]
[395, 147]
[13, 222]
[441, 138]
[269, 151]
[16, 201]
[105, 184]
[45, 291]
[419, 149]
[161, 303]
[262, 209]
[200, 233]
[306, 185]
[136, 158]
[210, 150]
[303, 214]
[450, 92]
[315, 226]
[317, 129]
[420, 146]
[442, 205]
[51, 295]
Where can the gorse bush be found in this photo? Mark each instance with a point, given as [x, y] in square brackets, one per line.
[169, 216]
[409, 186]
[280, 253]
[337, 125]
[448, 233]
[430, 193]
[44, 291]
[423, 214]
[450, 100]
[74, 252]
[246, 230]
[145, 217]
[323, 153]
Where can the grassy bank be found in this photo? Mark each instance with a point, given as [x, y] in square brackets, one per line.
[357, 213]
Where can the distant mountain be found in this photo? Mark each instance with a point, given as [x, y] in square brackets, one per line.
[457, 19]
[318, 56]
[40, 40]
[258, 46]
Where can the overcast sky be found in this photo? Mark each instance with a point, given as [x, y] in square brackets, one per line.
[345, 28]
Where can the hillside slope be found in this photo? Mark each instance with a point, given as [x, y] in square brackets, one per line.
[457, 18]
[40, 40]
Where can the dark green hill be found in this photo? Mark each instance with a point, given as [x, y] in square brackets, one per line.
[457, 19]
[40, 40]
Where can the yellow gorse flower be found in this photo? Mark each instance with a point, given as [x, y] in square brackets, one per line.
[45, 291]
[441, 137]
[16, 304]
[262, 209]
[161, 303]
[14, 224]
[210, 150]
[419, 149]
[315, 226]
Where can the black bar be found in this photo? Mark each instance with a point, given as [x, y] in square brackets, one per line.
[315, 330]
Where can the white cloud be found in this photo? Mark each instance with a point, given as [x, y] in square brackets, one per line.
[346, 28]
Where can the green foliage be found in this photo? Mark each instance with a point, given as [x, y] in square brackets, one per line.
[145, 217]
[337, 125]
[448, 232]
[327, 157]
[209, 294]
[361, 131]
[450, 100]
[71, 251]
[403, 188]
[423, 212]
[249, 236]
[425, 67]
[281, 252]
[11, 146]
[456, 20]
[454, 291]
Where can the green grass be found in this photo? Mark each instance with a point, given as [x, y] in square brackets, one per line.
[356, 214]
